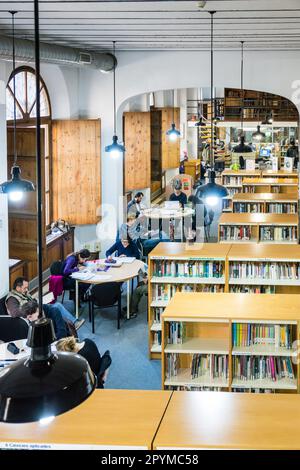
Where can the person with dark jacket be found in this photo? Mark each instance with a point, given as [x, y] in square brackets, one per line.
[123, 248]
[30, 312]
[178, 195]
[88, 349]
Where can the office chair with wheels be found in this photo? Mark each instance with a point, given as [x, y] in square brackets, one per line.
[12, 329]
[104, 296]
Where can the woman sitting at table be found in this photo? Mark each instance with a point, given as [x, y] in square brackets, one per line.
[72, 264]
[177, 194]
[124, 247]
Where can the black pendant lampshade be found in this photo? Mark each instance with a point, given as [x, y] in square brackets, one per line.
[115, 149]
[16, 187]
[211, 193]
[45, 384]
[258, 135]
[173, 133]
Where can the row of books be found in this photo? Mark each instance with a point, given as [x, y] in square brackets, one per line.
[164, 292]
[262, 367]
[192, 388]
[251, 189]
[252, 289]
[175, 332]
[234, 232]
[231, 180]
[157, 312]
[209, 365]
[281, 208]
[250, 334]
[264, 270]
[278, 233]
[157, 338]
[249, 207]
[253, 390]
[188, 269]
[233, 191]
[172, 365]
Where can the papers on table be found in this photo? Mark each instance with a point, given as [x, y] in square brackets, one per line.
[82, 276]
[47, 299]
[126, 260]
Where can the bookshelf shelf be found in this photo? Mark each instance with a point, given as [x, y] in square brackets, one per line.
[156, 327]
[183, 378]
[214, 336]
[188, 280]
[261, 350]
[199, 346]
[156, 348]
[159, 303]
[266, 282]
[283, 384]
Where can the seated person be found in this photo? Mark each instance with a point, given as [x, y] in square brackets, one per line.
[178, 195]
[30, 312]
[138, 293]
[88, 349]
[135, 205]
[72, 264]
[124, 247]
[19, 296]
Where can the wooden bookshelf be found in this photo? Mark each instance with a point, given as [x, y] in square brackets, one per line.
[233, 181]
[213, 327]
[207, 420]
[279, 174]
[280, 274]
[245, 227]
[162, 287]
[270, 185]
[265, 203]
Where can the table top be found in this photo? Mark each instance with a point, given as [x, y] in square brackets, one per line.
[229, 172]
[117, 274]
[162, 213]
[263, 197]
[263, 252]
[270, 181]
[258, 218]
[280, 174]
[226, 306]
[230, 421]
[109, 418]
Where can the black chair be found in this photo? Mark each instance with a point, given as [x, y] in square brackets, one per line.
[104, 296]
[3, 309]
[12, 329]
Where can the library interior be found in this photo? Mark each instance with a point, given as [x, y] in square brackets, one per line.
[149, 224]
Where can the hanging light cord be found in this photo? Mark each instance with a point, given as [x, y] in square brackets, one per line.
[14, 87]
[115, 110]
[242, 87]
[211, 86]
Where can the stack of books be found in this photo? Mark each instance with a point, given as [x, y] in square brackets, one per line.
[188, 269]
[264, 270]
[234, 232]
[262, 367]
[211, 366]
[278, 233]
[249, 334]
[175, 332]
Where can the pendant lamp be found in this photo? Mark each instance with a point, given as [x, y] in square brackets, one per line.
[115, 149]
[258, 135]
[16, 186]
[173, 133]
[200, 122]
[242, 147]
[45, 384]
[211, 193]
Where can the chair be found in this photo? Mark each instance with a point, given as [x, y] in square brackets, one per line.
[12, 329]
[104, 296]
[3, 309]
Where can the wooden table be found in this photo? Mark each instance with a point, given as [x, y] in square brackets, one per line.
[263, 197]
[217, 420]
[109, 419]
[123, 273]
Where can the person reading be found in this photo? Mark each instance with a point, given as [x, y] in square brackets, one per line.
[135, 205]
[177, 194]
[122, 248]
[72, 264]
[30, 312]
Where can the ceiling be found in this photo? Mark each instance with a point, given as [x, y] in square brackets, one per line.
[159, 25]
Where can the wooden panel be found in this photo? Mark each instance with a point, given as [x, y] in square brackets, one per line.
[137, 136]
[54, 251]
[18, 270]
[76, 175]
[26, 142]
[170, 150]
[68, 243]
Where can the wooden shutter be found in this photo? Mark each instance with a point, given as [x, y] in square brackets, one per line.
[76, 179]
[170, 150]
[137, 160]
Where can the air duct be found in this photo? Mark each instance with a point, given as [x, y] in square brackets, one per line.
[54, 54]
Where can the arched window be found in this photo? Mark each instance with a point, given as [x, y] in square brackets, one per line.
[25, 96]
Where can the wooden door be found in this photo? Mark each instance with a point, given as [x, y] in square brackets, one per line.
[170, 149]
[137, 160]
[76, 176]
[22, 215]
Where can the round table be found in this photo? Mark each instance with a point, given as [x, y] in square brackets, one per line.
[123, 273]
[161, 213]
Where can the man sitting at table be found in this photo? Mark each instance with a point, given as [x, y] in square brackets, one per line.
[135, 205]
[177, 194]
[30, 312]
[19, 296]
[124, 247]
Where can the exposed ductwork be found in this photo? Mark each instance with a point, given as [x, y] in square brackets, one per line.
[61, 55]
